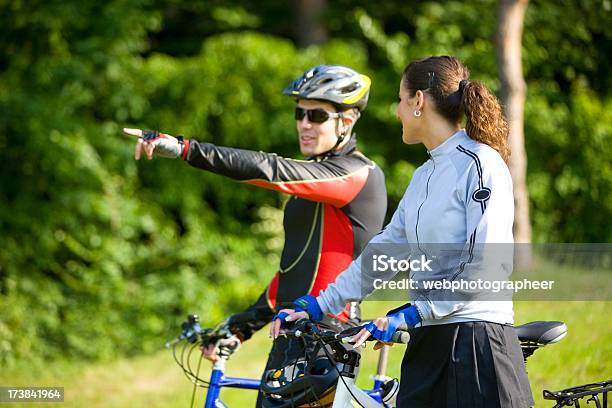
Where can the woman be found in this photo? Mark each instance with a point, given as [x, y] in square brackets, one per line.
[463, 351]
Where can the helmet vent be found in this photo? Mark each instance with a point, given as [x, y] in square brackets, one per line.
[350, 88]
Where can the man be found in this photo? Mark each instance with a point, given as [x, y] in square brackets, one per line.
[338, 197]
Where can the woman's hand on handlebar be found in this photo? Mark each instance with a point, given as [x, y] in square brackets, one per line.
[382, 323]
[285, 315]
[384, 328]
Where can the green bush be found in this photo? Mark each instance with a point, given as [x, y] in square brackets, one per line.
[101, 255]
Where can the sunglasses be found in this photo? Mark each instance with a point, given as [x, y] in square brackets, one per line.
[315, 115]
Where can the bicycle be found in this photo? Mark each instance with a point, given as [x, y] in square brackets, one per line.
[532, 336]
[385, 389]
[537, 334]
[193, 336]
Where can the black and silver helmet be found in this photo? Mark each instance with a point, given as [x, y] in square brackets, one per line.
[337, 84]
[300, 384]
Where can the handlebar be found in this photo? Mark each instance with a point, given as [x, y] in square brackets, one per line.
[193, 337]
[305, 326]
[192, 332]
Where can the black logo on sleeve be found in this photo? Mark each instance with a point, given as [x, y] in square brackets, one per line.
[481, 195]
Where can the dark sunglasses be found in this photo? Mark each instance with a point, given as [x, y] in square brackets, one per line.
[315, 115]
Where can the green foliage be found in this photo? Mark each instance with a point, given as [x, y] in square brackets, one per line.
[155, 381]
[568, 127]
[101, 255]
[570, 172]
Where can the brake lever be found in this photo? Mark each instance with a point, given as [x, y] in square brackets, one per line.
[174, 342]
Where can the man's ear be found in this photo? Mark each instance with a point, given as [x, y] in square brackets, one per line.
[348, 120]
[350, 117]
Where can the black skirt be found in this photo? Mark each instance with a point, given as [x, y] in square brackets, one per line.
[464, 365]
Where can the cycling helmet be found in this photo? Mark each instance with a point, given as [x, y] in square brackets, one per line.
[342, 86]
[305, 383]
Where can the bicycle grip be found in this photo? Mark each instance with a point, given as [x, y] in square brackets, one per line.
[400, 336]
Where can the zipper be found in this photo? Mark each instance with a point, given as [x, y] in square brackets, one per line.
[313, 226]
[425, 199]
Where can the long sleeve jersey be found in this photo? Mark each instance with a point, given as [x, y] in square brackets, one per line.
[337, 204]
[462, 196]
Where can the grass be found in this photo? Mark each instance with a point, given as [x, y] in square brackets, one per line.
[152, 381]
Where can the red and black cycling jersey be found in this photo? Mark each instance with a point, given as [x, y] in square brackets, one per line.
[338, 203]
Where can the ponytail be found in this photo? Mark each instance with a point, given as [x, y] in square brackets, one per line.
[445, 79]
[485, 120]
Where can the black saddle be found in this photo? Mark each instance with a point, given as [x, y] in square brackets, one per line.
[541, 332]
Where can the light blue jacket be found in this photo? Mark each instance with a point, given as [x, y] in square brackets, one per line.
[461, 195]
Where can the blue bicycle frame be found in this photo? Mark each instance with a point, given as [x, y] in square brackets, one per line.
[375, 392]
[218, 380]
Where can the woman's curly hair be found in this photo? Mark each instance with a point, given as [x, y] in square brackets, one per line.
[446, 80]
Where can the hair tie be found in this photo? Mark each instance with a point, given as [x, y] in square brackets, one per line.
[462, 84]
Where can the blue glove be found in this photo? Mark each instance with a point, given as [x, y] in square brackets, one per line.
[282, 316]
[408, 316]
[309, 304]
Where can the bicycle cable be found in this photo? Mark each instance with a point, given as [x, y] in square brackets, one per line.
[180, 364]
[314, 394]
[176, 359]
[188, 372]
[200, 382]
[195, 386]
[339, 373]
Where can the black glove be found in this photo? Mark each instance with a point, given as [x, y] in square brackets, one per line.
[164, 145]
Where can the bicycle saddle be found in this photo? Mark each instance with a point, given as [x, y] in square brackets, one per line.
[541, 332]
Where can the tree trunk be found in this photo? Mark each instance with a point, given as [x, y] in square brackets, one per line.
[510, 15]
[309, 28]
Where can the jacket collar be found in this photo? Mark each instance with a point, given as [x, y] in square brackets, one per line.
[348, 148]
[450, 144]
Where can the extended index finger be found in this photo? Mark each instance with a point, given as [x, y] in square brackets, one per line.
[132, 132]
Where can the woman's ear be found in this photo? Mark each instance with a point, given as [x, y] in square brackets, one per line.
[420, 100]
